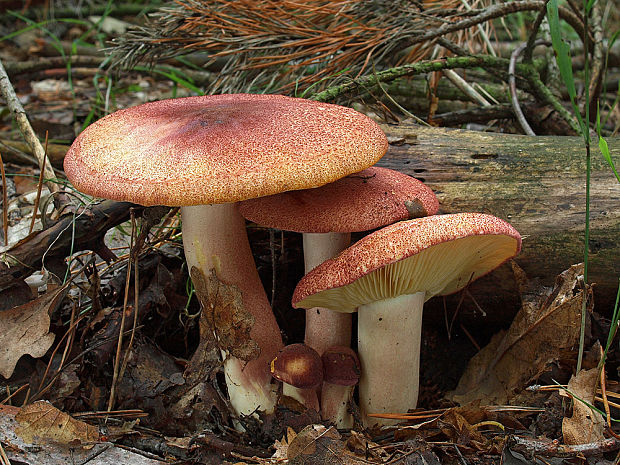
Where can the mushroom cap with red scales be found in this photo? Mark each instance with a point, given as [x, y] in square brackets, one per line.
[220, 148]
[437, 255]
[361, 201]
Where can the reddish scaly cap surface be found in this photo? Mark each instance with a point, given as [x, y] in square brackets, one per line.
[359, 202]
[397, 242]
[222, 148]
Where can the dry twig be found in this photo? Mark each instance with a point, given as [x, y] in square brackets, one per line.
[15, 106]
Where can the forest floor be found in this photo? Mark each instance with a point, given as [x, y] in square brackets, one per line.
[77, 389]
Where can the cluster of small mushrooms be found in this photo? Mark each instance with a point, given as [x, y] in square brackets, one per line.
[303, 166]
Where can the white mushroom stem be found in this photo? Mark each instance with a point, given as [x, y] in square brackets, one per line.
[325, 328]
[215, 238]
[335, 405]
[306, 397]
[389, 350]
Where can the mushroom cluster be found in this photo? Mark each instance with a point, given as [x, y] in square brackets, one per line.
[204, 154]
[306, 167]
[337, 371]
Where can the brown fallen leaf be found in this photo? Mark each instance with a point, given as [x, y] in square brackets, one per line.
[25, 329]
[46, 452]
[585, 425]
[547, 324]
[319, 445]
[41, 422]
[223, 304]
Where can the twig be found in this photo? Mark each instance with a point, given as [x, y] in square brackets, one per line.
[597, 65]
[56, 240]
[4, 460]
[464, 86]
[10, 395]
[135, 253]
[493, 12]
[531, 40]
[474, 115]
[39, 188]
[16, 108]
[119, 345]
[530, 447]
[5, 204]
[514, 99]
[14, 68]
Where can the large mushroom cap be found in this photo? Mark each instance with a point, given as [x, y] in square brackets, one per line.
[221, 148]
[361, 201]
[437, 255]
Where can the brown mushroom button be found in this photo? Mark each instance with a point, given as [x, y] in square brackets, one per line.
[341, 366]
[298, 365]
[220, 148]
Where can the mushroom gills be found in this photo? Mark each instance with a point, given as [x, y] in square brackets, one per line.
[438, 270]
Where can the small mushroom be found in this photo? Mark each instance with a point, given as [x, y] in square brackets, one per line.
[300, 366]
[387, 276]
[341, 372]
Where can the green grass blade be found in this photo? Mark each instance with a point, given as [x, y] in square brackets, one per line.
[562, 56]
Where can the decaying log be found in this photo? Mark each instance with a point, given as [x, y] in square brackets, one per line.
[536, 183]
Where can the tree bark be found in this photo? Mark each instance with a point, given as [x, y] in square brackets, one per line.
[535, 183]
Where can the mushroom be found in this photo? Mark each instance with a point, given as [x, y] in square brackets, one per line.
[387, 276]
[300, 366]
[341, 372]
[326, 216]
[204, 154]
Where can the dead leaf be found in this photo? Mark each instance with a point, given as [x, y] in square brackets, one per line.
[41, 422]
[317, 445]
[232, 323]
[456, 427]
[585, 425]
[43, 452]
[25, 330]
[281, 446]
[547, 324]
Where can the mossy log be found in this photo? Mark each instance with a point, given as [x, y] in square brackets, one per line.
[535, 183]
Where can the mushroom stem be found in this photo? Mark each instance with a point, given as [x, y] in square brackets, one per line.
[335, 405]
[389, 333]
[216, 242]
[325, 328]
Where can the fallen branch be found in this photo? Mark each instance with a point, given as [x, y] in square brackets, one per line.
[526, 71]
[83, 230]
[530, 447]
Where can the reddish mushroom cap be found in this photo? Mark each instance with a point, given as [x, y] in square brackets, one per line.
[341, 366]
[362, 201]
[221, 148]
[437, 255]
[298, 365]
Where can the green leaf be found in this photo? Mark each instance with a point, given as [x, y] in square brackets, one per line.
[604, 148]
